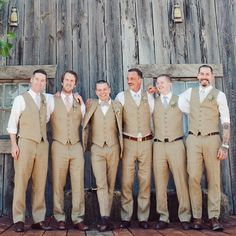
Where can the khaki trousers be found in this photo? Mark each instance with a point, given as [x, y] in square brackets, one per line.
[203, 149]
[32, 162]
[140, 152]
[104, 163]
[171, 157]
[68, 157]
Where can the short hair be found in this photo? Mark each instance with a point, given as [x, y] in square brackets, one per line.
[165, 75]
[102, 81]
[41, 71]
[206, 66]
[70, 72]
[139, 72]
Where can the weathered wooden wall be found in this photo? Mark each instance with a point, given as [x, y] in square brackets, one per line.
[99, 39]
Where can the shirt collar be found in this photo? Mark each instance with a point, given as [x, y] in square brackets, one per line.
[109, 101]
[33, 94]
[64, 95]
[169, 95]
[207, 89]
[137, 93]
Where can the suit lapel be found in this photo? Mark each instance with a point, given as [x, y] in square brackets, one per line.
[90, 112]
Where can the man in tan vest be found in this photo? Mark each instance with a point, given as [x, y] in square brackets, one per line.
[205, 106]
[104, 120]
[137, 110]
[29, 149]
[169, 154]
[67, 152]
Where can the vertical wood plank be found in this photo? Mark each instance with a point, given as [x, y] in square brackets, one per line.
[64, 38]
[145, 34]
[226, 17]
[16, 56]
[129, 35]
[8, 185]
[161, 31]
[97, 48]
[193, 31]
[31, 32]
[80, 49]
[1, 182]
[113, 47]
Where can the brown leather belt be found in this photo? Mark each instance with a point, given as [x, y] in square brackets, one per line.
[199, 133]
[148, 137]
[166, 140]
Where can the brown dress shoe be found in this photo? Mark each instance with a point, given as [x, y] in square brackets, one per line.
[197, 224]
[19, 226]
[61, 225]
[216, 225]
[143, 224]
[41, 226]
[186, 225]
[125, 224]
[81, 226]
[162, 225]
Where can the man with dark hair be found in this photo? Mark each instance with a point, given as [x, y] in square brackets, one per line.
[29, 149]
[205, 106]
[137, 110]
[104, 119]
[169, 153]
[67, 152]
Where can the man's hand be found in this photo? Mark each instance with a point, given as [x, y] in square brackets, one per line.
[15, 151]
[88, 102]
[78, 98]
[151, 89]
[222, 153]
[57, 94]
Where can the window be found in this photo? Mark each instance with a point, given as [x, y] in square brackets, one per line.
[8, 91]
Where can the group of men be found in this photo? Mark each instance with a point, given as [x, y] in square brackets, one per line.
[120, 129]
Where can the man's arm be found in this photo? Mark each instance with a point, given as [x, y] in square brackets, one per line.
[223, 151]
[15, 151]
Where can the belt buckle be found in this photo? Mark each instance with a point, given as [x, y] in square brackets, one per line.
[139, 139]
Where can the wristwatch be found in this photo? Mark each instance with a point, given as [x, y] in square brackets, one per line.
[225, 146]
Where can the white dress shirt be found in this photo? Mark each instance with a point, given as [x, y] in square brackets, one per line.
[184, 102]
[19, 106]
[137, 98]
[104, 106]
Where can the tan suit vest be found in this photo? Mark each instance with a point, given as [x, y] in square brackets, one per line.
[136, 119]
[32, 123]
[168, 123]
[104, 128]
[65, 125]
[204, 117]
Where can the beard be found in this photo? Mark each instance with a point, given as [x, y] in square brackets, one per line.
[204, 82]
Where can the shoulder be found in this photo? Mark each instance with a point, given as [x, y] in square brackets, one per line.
[117, 104]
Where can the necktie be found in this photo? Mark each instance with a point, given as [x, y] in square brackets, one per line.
[136, 99]
[38, 100]
[202, 95]
[165, 102]
[67, 103]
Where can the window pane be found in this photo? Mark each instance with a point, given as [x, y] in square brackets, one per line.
[6, 116]
[23, 88]
[192, 84]
[178, 87]
[11, 91]
[1, 122]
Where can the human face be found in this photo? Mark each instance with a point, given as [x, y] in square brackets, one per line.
[103, 92]
[163, 85]
[134, 81]
[205, 76]
[69, 83]
[38, 82]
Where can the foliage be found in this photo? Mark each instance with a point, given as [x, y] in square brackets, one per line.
[6, 45]
[5, 41]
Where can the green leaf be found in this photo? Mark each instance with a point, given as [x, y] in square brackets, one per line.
[2, 3]
[11, 36]
[5, 48]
